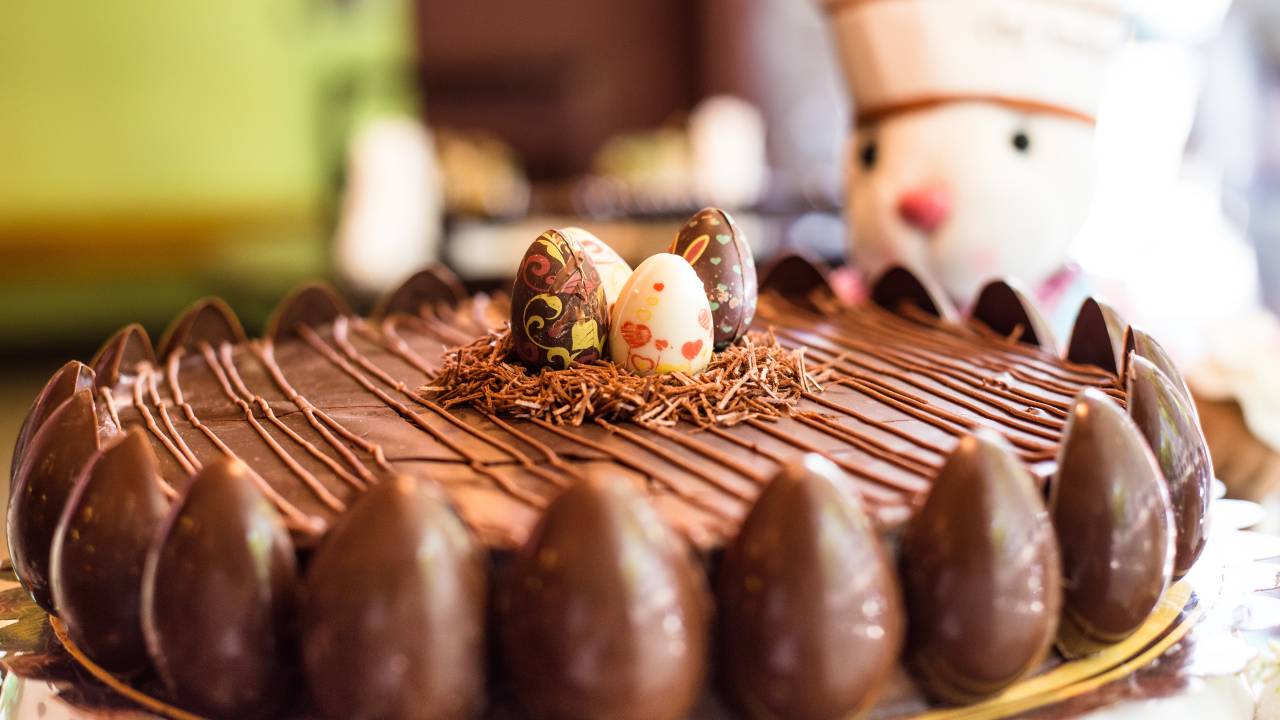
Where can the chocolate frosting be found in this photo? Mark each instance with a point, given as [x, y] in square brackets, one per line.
[99, 548]
[429, 286]
[312, 304]
[1167, 422]
[54, 457]
[980, 575]
[1005, 308]
[394, 621]
[209, 320]
[68, 380]
[898, 286]
[219, 594]
[604, 613]
[1111, 511]
[121, 354]
[811, 617]
[1097, 337]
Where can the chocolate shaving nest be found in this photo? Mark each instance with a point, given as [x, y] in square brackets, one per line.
[753, 378]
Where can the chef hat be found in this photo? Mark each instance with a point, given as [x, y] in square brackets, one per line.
[1041, 55]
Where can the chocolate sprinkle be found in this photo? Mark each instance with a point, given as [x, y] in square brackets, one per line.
[755, 378]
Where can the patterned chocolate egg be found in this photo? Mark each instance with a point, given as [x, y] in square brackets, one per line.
[717, 249]
[613, 270]
[559, 313]
[662, 321]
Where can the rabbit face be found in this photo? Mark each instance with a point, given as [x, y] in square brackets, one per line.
[967, 192]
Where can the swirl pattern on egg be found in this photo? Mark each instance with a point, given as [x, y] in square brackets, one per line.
[559, 314]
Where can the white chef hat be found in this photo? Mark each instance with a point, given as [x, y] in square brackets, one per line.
[1041, 55]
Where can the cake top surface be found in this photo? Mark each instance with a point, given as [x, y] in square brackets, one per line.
[329, 403]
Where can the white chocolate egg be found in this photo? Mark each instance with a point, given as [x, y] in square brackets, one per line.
[661, 321]
[613, 270]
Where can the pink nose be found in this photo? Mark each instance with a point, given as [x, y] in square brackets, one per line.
[925, 208]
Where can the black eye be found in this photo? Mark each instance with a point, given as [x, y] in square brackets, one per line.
[1021, 141]
[868, 155]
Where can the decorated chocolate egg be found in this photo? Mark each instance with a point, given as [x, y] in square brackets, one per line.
[662, 321]
[718, 251]
[559, 314]
[613, 270]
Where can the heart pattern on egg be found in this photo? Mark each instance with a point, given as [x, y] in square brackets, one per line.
[691, 349]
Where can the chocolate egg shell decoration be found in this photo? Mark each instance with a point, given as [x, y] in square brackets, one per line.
[718, 251]
[559, 312]
[613, 270]
[662, 322]
[1168, 423]
[394, 621]
[604, 613]
[980, 574]
[47, 472]
[70, 379]
[113, 514]
[219, 589]
[811, 616]
[1111, 511]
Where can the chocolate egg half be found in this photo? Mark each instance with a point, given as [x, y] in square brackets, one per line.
[394, 620]
[70, 379]
[1168, 423]
[603, 613]
[51, 463]
[980, 575]
[99, 549]
[559, 313]
[811, 616]
[718, 251]
[219, 592]
[1111, 511]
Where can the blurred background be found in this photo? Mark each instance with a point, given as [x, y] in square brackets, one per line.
[155, 153]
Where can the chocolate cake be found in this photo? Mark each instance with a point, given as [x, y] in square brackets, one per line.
[299, 524]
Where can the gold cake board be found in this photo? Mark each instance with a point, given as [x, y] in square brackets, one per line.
[1172, 619]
